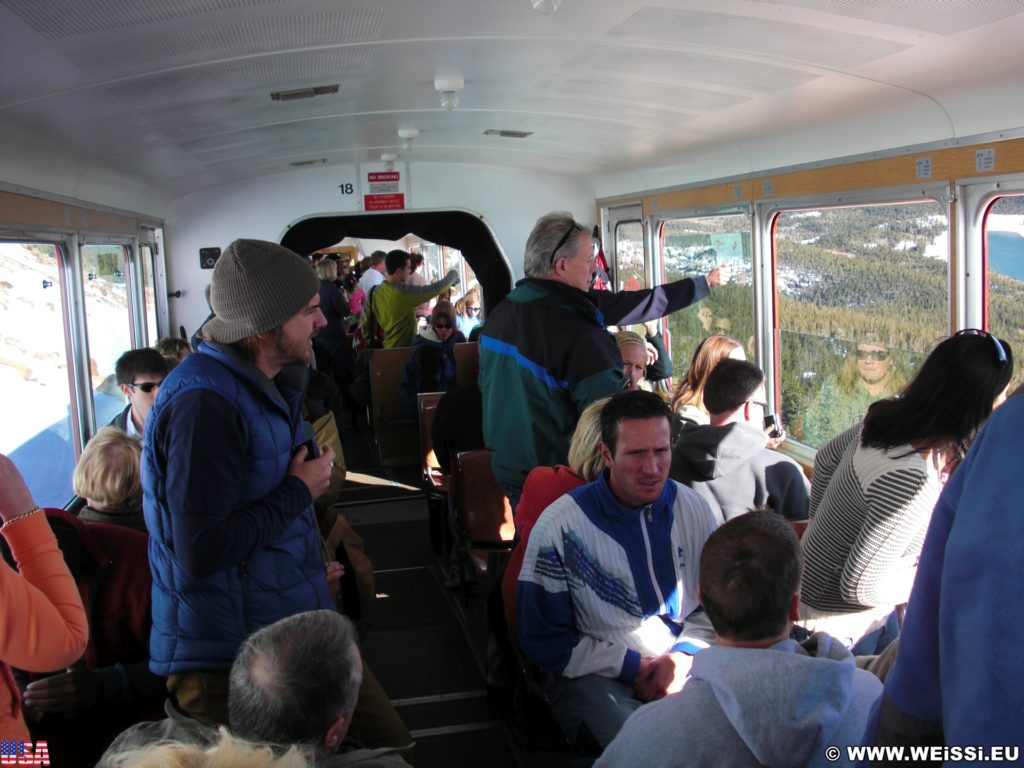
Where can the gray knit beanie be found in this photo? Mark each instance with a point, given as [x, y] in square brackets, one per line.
[257, 286]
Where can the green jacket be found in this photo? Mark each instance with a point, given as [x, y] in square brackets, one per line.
[544, 356]
[393, 307]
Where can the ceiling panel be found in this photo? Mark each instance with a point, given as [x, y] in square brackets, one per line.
[661, 64]
[246, 37]
[639, 91]
[55, 19]
[345, 67]
[772, 37]
[943, 17]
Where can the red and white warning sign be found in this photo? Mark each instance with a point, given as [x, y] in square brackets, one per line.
[384, 191]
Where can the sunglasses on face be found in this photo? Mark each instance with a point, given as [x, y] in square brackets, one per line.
[442, 327]
[146, 386]
[473, 310]
[872, 354]
[1000, 350]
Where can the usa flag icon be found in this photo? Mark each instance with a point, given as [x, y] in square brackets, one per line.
[20, 753]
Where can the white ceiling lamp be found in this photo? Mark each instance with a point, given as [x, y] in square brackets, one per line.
[449, 85]
[388, 158]
[547, 7]
[407, 135]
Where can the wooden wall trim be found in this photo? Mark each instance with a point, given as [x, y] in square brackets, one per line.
[19, 211]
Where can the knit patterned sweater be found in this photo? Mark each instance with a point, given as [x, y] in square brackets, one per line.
[603, 585]
[869, 512]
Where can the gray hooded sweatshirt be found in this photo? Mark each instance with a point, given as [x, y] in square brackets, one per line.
[732, 469]
[778, 707]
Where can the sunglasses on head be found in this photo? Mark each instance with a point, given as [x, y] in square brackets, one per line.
[146, 386]
[1000, 349]
[574, 227]
[872, 354]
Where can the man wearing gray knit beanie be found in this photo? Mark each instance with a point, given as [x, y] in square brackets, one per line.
[229, 477]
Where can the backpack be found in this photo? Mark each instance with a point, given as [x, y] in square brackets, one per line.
[376, 340]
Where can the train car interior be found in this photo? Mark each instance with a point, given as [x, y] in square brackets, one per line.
[857, 167]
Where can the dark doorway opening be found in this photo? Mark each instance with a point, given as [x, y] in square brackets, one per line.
[456, 229]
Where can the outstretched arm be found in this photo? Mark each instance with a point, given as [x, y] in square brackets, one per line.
[430, 289]
[628, 307]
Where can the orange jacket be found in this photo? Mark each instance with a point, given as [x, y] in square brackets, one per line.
[44, 625]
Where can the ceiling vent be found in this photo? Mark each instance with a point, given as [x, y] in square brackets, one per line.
[307, 163]
[506, 134]
[305, 93]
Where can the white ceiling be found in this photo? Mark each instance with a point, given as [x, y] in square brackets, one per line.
[175, 93]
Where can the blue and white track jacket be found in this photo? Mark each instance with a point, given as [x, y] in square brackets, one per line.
[603, 585]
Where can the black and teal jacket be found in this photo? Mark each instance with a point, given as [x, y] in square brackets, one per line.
[544, 356]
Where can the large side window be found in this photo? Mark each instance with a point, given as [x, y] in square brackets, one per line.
[694, 246]
[862, 298]
[1004, 249]
[34, 382]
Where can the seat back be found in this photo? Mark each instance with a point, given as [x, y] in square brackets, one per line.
[467, 363]
[484, 512]
[798, 526]
[427, 407]
[394, 433]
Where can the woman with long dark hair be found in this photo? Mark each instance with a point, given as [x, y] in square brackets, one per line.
[875, 485]
[688, 399]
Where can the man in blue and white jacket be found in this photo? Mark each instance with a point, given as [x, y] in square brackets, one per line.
[607, 596]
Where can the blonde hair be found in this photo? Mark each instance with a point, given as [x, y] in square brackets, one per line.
[326, 269]
[628, 339]
[584, 457]
[108, 472]
[229, 752]
[709, 352]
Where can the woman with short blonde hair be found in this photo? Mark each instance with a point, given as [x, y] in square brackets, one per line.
[109, 479]
[327, 269]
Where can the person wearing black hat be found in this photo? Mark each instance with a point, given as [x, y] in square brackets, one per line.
[229, 477]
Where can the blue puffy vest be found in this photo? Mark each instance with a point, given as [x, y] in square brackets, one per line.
[199, 623]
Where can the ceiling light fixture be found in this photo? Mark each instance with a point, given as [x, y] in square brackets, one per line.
[507, 133]
[305, 93]
[547, 7]
[407, 135]
[449, 85]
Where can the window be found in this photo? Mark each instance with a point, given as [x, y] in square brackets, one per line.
[107, 323]
[149, 292]
[630, 274]
[34, 383]
[1004, 250]
[862, 297]
[692, 247]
